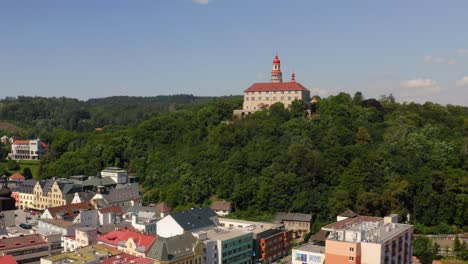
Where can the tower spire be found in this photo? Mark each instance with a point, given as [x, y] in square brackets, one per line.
[293, 77]
[276, 74]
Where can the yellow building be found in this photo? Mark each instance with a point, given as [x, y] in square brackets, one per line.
[178, 249]
[50, 193]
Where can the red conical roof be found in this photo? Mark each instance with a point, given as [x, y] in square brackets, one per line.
[276, 60]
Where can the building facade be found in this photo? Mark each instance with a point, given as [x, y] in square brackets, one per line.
[262, 95]
[178, 249]
[27, 149]
[369, 240]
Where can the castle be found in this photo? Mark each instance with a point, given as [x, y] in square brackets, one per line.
[261, 95]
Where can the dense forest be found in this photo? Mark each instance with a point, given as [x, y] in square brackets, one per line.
[39, 115]
[372, 156]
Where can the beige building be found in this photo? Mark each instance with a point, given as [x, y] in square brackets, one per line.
[50, 193]
[369, 240]
[297, 222]
[261, 95]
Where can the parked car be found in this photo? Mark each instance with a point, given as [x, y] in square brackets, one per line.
[25, 226]
[32, 213]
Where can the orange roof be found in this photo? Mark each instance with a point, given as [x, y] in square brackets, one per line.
[8, 259]
[69, 210]
[20, 142]
[221, 205]
[284, 86]
[17, 176]
[113, 238]
[164, 208]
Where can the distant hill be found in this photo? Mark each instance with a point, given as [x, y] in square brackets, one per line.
[40, 115]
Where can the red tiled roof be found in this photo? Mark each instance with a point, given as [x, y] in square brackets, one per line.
[349, 221]
[129, 259]
[112, 209]
[221, 205]
[285, 86]
[164, 208]
[8, 260]
[20, 142]
[17, 176]
[113, 238]
[69, 210]
[21, 242]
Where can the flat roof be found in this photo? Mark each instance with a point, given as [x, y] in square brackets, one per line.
[370, 232]
[256, 227]
[225, 233]
[85, 254]
[310, 247]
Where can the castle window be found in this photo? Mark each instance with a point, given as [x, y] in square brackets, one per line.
[260, 98]
[253, 98]
[246, 98]
[267, 98]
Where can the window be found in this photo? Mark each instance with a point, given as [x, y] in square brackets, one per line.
[267, 98]
[351, 259]
[351, 249]
[253, 98]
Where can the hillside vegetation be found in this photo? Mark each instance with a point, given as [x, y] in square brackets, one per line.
[375, 157]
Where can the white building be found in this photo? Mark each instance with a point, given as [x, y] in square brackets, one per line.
[117, 174]
[308, 254]
[26, 149]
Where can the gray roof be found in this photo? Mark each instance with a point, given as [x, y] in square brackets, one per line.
[195, 218]
[25, 187]
[165, 249]
[46, 186]
[121, 195]
[281, 216]
[97, 181]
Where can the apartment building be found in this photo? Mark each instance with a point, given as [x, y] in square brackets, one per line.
[297, 222]
[27, 149]
[178, 249]
[30, 248]
[369, 240]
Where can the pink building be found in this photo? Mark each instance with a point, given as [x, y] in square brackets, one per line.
[369, 240]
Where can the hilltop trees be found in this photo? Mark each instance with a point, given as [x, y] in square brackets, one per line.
[373, 156]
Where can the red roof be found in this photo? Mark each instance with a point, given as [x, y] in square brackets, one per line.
[17, 176]
[8, 260]
[20, 142]
[221, 205]
[21, 242]
[112, 209]
[113, 238]
[126, 258]
[69, 210]
[164, 208]
[284, 86]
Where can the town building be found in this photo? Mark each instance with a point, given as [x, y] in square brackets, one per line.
[7, 206]
[24, 194]
[299, 223]
[224, 245]
[187, 221]
[27, 149]
[88, 255]
[178, 249]
[51, 192]
[17, 177]
[308, 253]
[369, 240]
[66, 212]
[262, 95]
[30, 248]
[271, 241]
[130, 242]
[222, 208]
[84, 236]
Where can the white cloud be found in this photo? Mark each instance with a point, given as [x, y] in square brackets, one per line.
[439, 60]
[462, 52]
[421, 86]
[201, 2]
[463, 82]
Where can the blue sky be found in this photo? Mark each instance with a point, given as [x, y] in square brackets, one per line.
[417, 50]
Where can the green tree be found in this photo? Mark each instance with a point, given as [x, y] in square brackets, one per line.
[27, 173]
[423, 249]
[362, 136]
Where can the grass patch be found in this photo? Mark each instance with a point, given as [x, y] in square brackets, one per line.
[33, 165]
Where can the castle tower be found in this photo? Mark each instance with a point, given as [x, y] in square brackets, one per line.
[293, 77]
[276, 75]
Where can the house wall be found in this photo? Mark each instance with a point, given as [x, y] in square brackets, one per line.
[168, 227]
[342, 252]
[254, 101]
[237, 250]
[305, 257]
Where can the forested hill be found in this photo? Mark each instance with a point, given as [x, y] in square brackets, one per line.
[374, 157]
[39, 115]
